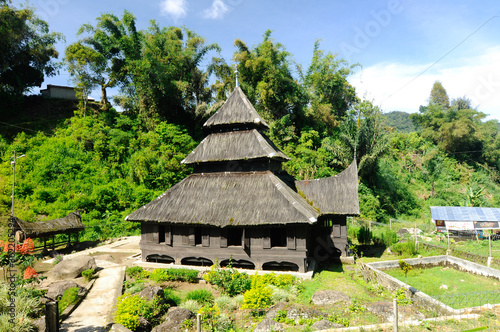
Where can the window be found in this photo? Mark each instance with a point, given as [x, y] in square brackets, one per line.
[161, 233]
[197, 236]
[278, 237]
[234, 236]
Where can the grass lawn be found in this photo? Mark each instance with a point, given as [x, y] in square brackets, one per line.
[430, 281]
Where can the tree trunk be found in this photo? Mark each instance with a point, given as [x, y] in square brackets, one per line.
[104, 98]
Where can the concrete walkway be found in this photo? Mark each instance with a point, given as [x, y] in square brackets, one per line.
[94, 313]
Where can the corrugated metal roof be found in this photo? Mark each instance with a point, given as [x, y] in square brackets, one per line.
[458, 213]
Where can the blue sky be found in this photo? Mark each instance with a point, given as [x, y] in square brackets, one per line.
[403, 46]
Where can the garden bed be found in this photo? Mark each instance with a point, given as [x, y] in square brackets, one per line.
[433, 273]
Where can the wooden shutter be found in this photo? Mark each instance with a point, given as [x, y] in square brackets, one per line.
[267, 239]
[205, 237]
[290, 238]
[336, 230]
[168, 235]
[223, 238]
[343, 231]
[154, 230]
[191, 237]
[185, 235]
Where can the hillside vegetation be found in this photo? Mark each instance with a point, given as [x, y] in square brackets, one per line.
[89, 157]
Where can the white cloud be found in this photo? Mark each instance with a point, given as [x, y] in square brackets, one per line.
[392, 87]
[217, 10]
[175, 8]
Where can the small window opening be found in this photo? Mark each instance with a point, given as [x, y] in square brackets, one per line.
[161, 234]
[234, 236]
[197, 236]
[278, 237]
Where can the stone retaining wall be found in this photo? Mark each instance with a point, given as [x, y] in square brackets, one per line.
[373, 271]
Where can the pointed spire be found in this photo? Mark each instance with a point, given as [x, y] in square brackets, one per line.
[237, 78]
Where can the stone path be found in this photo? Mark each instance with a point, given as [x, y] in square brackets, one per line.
[94, 313]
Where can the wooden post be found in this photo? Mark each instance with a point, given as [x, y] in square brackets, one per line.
[395, 305]
[69, 239]
[52, 316]
[53, 242]
[198, 322]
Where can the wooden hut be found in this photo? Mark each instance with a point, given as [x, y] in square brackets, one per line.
[240, 204]
[71, 224]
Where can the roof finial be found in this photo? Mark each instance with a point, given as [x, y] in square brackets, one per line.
[237, 76]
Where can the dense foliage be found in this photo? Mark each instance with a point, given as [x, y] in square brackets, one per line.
[106, 164]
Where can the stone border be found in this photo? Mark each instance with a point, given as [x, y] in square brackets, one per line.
[374, 271]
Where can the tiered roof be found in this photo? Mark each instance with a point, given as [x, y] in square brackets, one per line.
[222, 198]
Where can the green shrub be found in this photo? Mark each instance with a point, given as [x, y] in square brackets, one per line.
[286, 294]
[259, 296]
[202, 296]
[228, 280]
[188, 275]
[407, 248]
[238, 301]
[191, 305]
[159, 275]
[210, 315]
[364, 235]
[171, 298]
[226, 303]
[137, 272]
[401, 297]
[88, 274]
[130, 307]
[135, 287]
[69, 297]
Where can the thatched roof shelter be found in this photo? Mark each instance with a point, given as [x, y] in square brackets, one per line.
[333, 195]
[234, 145]
[229, 199]
[237, 110]
[72, 223]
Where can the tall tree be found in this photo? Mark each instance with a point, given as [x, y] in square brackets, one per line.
[167, 80]
[439, 96]
[104, 53]
[27, 51]
[363, 136]
[266, 78]
[330, 95]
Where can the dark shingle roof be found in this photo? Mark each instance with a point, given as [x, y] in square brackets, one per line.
[72, 223]
[237, 110]
[333, 195]
[234, 145]
[224, 199]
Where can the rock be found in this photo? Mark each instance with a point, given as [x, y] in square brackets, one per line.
[119, 328]
[73, 267]
[271, 314]
[56, 289]
[151, 291]
[292, 312]
[325, 325]
[39, 324]
[386, 311]
[325, 297]
[104, 257]
[173, 322]
[269, 325]
[443, 287]
[144, 325]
